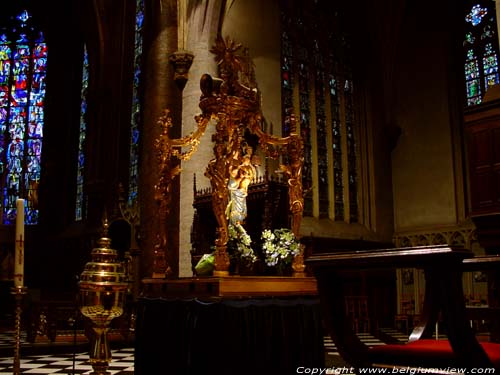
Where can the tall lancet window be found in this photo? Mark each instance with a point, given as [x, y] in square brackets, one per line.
[317, 85]
[136, 107]
[481, 50]
[80, 168]
[23, 60]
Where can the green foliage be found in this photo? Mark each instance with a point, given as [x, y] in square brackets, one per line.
[239, 246]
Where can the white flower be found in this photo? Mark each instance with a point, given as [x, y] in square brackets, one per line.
[279, 247]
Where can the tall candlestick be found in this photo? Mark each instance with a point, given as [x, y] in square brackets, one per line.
[19, 248]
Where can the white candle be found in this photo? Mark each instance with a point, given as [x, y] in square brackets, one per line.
[19, 248]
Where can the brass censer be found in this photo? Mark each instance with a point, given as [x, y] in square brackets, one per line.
[102, 290]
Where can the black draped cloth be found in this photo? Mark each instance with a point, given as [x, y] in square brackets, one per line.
[228, 336]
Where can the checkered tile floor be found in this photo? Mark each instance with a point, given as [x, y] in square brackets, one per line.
[7, 338]
[122, 363]
[365, 338]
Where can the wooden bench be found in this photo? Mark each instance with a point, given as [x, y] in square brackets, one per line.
[443, 267]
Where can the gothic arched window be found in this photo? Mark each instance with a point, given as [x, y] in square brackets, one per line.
[136, 108]
[481, 50]
[80, 168]
[23, 60]
[317, 85]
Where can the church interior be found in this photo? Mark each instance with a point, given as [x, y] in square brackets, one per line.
[233, 182]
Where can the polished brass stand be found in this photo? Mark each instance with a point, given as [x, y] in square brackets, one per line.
[102, 289]
[18, 292]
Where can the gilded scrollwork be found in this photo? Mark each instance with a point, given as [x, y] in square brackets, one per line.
[233, 101]
[169, 153]
[292, 148]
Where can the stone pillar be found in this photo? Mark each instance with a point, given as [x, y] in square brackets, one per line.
[202, 31]
[160, 92]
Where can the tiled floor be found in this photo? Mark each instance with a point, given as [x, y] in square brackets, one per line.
[367, 339]
[64, 360]
[122, 363]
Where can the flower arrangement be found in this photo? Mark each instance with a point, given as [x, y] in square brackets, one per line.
[239, 246]
[279, 248]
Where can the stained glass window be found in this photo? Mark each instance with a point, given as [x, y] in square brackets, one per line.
[481, 51]
[351, 148]
[136, 108]
[23, 61]
[287, 82]
[317, 85]
[80, 168]
[321, 134]
[303, 58]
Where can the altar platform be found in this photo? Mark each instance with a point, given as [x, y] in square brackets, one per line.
[230, 286]
[228, 325]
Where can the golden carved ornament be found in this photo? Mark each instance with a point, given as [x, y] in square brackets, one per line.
[169, 152]
[233, 101]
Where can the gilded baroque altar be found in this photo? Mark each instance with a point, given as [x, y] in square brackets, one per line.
[232, 102]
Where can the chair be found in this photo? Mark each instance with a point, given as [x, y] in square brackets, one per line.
[443, 267]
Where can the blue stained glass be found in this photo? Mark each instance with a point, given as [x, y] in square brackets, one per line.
[18, 115]
[476, 15]
[18, 97]
[37, 98]
[35, 147]
[80, 197]
[136, 107]
[21, 82]
[43, 48]
[15, 155]
[35, 127]
[20, 67]
[139, 17]
[21, 116]
[22, 51]
[4, 97]
[481, 56]
[24, 16]
[39, 65]
[38, 83]
[33, 168]
[16, 131]
[135, 136]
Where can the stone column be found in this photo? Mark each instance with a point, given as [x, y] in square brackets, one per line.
[202, 26]
[160, 92]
